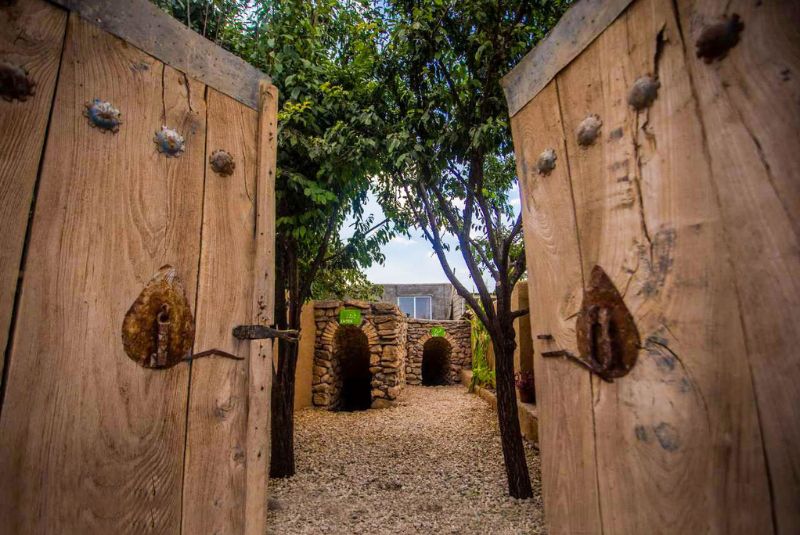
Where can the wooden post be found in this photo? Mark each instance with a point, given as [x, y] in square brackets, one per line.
[260, 373]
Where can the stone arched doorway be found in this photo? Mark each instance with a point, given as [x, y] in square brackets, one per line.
[439, 345]
[436, 353]
[337, 347]
[352, 390]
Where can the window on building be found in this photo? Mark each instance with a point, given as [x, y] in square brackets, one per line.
[416, 306]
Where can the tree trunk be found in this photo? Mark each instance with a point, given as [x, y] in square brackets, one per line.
[282, 457]
[519, 482]
[288, 304]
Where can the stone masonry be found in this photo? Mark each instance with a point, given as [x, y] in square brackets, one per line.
[457, 333]
[395, 345]
[385, 328]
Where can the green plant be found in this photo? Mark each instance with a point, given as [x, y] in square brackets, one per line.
[482, 373]
[344, 283]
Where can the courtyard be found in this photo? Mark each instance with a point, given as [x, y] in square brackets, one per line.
[430, 464]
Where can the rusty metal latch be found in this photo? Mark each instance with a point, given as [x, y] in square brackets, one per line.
[608, 340]
[262, 332]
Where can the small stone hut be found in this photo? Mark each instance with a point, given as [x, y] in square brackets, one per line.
[364, 353]
[362, 364]
[436, 351]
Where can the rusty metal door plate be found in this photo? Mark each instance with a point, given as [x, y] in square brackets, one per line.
[158, 329]
[607, 337]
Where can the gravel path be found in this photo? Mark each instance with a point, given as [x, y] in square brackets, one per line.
[431, 464]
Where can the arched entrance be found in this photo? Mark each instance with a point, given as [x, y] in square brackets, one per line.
[354, 380]
[436, 362]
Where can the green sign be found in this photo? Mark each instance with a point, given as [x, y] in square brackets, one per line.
[349, 316]
[437, 331]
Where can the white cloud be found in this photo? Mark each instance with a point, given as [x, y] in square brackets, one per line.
[402, 240]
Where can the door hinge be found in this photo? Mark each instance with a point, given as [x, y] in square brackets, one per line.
[262, 332]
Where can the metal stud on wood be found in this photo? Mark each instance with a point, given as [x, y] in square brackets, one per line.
[546, 162]
[103, 115]
[717, 38]
[643, 92]
[169, 142]
[15, 83]
[222, 162]
[588, 130]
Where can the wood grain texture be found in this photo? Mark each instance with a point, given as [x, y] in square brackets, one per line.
[678, 442]
[89, 441]
[145, 26]
[554, 284]
[260, 363]
[576, 29]
[31, 36]
[523, 353]
[748, 102]
[215, 469]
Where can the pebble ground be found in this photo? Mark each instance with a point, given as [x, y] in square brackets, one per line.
[431, 464]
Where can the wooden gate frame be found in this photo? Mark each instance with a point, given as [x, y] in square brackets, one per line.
[740, 107]
[155, 33]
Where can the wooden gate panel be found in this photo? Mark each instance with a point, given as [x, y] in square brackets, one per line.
[648, 214]
[691, 206]
[90, 441]
[31, 36]
[553, 258]
[749, 107]
[214, 491]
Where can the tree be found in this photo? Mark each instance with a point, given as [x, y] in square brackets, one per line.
[344, 283]
[221, 21]
[322, 55]
[451, 164]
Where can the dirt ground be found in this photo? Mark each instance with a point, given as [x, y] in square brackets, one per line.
[431, 464]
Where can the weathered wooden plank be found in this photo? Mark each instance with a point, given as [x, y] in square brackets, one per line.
[748, 102]
[523, 354]
[145, 26]
[31, 36]
[554, 283]
[89, 441]
[260, 363]
[578, 27]
[677, 440]
[215, 469]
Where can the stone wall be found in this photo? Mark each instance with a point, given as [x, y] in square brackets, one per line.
[457, 333]
[385, 328]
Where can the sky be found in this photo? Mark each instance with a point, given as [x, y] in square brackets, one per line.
[412, 260]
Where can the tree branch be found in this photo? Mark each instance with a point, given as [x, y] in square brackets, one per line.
[436, 242]
[343, 250]
[462, 234]
[319, 258]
